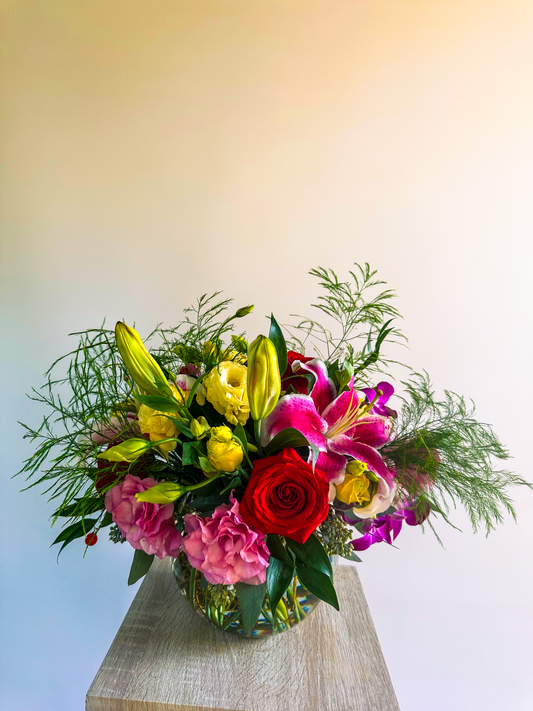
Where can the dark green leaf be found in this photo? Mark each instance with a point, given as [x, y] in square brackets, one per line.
[289, 437]
[82, 507]
[140, 566]
[317, 583]
[278, 579]
[251, 598]
[181, 426]
[191, 452]
[278, 339]
[312, 554]
[75, 530]
[156, 402]
[107, 520]
[353, 557]
[276, 548]
[207, 504]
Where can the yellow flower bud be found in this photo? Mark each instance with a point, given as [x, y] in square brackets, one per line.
[225, 388]
[264, 382]
[224, 453]
[199, 427]
[127, 451]
[141, 366]
[359, 484]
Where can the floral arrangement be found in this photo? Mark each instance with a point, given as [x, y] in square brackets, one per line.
[257, 462]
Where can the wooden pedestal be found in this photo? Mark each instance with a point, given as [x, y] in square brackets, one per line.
[166, 658]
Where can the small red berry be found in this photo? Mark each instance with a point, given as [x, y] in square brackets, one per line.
[91, 539]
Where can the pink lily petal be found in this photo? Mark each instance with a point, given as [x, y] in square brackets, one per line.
[343, 405]
[362, 452]
[296, 411]
[324, 390]
[333, 465]
[374, 430]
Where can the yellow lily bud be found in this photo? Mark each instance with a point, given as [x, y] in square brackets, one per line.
[141, 366]
[359, 484]
[199, 427]
[127, 451]
[164, 493]
[264, 382]
[224, 452]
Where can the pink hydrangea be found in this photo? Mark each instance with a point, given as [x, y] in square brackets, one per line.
[225, 548]
[147, 527]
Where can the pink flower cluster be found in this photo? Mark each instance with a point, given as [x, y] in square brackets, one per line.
[147, 527]
[225, 548]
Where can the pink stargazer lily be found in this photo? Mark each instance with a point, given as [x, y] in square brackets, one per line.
[339, 426]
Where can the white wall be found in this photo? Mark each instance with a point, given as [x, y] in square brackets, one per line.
[155, 151]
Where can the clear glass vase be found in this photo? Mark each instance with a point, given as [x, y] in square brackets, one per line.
[220, 606]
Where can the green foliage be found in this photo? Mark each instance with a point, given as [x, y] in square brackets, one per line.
[312, 554]
[317, 583]
[140, 566]
[251, 598]
[355, 314]
[80, 392]
[278, 578]
[444, 456]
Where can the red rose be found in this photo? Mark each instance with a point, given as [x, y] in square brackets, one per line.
[285, 497]
[300, 384]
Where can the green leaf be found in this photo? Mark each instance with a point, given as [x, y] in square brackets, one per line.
[240, 434]
[207, 504]
[277, 549]
[162, 404]
[107, 520]
[278, 339]
[251, 598]
[289, 437]
[75, 530]
[278, 579]
[312, 554]
[140, 566]
[353, 557]
[206, 465]
[194, 389]
[181, 426]
[82, 507]
[191, 450]
[317, 583]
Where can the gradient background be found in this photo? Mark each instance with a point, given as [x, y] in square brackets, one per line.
[153, 151]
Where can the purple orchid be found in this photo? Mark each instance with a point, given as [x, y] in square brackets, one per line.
[339, 426]
[387, 528]
[380, 395]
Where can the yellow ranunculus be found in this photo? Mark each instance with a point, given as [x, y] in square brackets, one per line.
[225, 388]
[224, 453]
[157, 425]
[358, 486]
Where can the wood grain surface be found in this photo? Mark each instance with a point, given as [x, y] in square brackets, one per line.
[165, 657]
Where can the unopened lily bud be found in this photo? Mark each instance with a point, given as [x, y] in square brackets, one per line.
[127, 451]
[199, 427]
[264, 382]
[140, 364]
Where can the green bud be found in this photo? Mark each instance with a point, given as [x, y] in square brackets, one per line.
[240, 344]
[244, 311]
[127, 451]
[199, 427]
[141, 366]
[263, 382]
